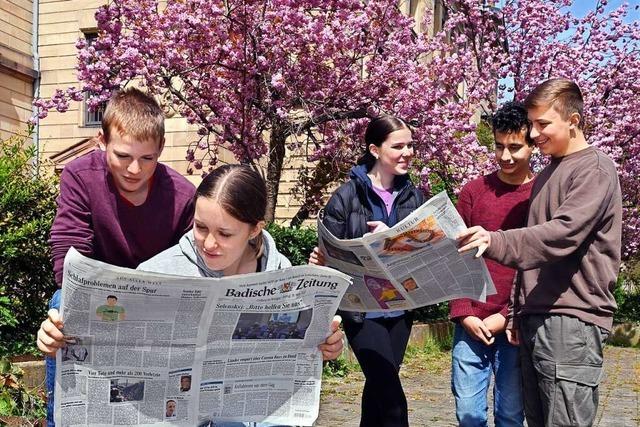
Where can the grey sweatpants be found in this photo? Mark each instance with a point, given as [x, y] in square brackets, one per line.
[561, 368]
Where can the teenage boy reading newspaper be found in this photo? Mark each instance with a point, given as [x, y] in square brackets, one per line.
[118, 204]
[569, 255]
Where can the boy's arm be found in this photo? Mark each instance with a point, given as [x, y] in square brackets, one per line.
[460, 308]
[510, 309]
[72, 225]
[586, 200]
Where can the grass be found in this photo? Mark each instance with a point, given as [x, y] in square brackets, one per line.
[432, 356]
[339, 368]
[343, 379]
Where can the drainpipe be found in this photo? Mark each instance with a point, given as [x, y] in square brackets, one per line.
[35, 52]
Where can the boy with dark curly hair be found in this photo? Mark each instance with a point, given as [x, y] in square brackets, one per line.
[495, 201]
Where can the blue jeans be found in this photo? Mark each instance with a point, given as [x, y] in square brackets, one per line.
[471, 368]
[50, 367]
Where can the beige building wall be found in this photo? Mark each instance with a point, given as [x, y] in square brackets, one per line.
[62, 22]
[16, 65]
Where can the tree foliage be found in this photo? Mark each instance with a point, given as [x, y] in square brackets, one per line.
[261, 77]
[600, 51]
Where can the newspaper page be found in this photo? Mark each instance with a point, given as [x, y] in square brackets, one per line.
[154, 349]
[412, 264]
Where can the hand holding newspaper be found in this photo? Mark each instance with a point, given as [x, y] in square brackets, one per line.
[410, 265]
[153, 349]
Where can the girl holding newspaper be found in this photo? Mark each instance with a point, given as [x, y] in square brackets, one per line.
[378, 195]
[228, 238]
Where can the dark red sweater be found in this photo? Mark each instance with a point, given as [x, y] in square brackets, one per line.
[489, 202]
[99, 223]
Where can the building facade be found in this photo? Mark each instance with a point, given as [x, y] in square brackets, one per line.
[18, 70]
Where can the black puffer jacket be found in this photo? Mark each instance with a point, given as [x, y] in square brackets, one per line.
[354, 203]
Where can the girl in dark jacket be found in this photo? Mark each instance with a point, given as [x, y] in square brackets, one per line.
[378, 195]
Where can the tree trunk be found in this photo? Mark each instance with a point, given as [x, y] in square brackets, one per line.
[323, 175]
[274, 167]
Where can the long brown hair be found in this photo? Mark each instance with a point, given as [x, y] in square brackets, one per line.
[377, 131]
[241, 192]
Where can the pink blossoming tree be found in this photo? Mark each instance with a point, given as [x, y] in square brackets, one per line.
[261, 77]
[600, 51]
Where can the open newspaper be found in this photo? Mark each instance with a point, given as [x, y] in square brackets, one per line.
[412, 264]
[153, 349]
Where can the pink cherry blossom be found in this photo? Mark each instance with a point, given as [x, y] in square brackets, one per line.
[259, 78]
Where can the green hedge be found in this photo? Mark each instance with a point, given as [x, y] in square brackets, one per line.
[296, 243]
[627, 293]
[27, 209]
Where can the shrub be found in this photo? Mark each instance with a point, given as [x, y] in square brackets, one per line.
[16, 399]
[432, 313]
[27, 209]
[339, 368]
[296, 243]
[627, 293]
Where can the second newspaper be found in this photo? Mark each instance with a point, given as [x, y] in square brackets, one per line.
[412, 264]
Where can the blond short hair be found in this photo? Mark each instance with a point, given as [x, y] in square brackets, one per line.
[133, 113]
[563, 94]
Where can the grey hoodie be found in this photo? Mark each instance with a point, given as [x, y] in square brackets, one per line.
[184, 260]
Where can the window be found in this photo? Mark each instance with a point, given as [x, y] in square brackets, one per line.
[91, 118]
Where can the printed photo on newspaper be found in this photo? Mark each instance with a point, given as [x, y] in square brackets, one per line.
[410, 265]
[153, 349]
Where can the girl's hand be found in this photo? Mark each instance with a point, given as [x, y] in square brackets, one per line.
[317, 257]
[50, 336]
[333, 345]
[375, 226]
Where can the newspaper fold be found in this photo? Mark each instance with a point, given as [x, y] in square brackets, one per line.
[154, 349]
[412, 264]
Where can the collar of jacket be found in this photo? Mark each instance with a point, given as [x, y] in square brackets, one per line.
[401, 186]
[359, 173]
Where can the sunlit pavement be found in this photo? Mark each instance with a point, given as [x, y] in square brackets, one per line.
[431, 403]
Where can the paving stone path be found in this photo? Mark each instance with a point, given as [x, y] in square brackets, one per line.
[431, 403]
